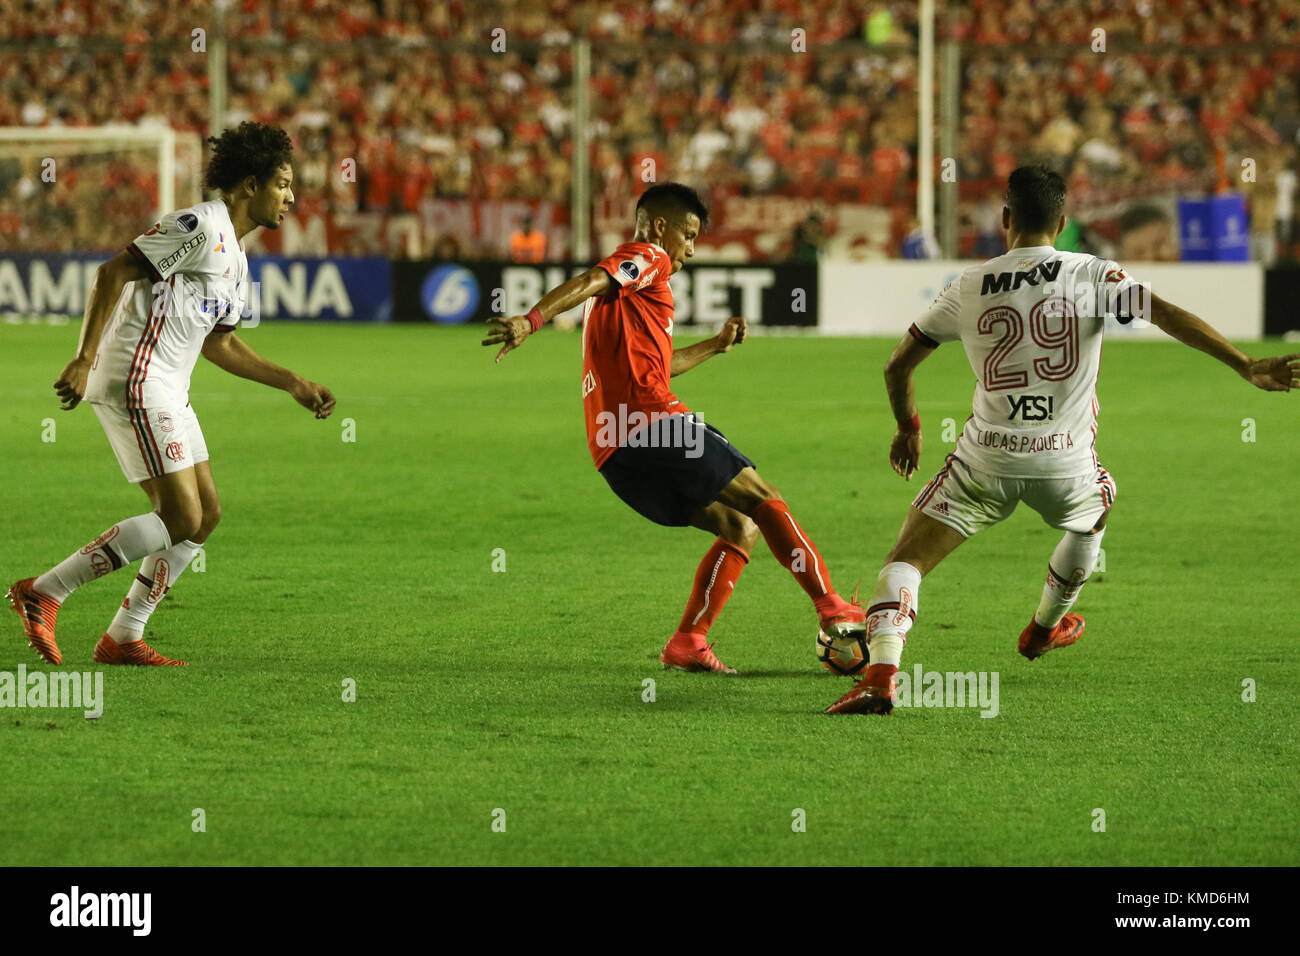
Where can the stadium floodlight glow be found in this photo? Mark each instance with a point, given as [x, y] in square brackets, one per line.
[163, 141]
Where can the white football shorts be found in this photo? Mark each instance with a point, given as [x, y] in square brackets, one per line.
[152, 442]
[968, 500]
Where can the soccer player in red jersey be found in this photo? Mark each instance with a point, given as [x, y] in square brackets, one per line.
[656, 455]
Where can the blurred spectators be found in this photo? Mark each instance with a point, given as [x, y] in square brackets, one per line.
[413, 95]
[919, 244]
[527, 244]
[1146, 234]
[809, 237]
[1284, 212]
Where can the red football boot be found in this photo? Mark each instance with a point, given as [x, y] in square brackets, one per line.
[845, 621]
[1036, 640]
[874, 694]
[688, 652]
[39, 613]
[137, 653]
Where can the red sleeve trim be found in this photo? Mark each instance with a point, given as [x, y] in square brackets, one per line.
[221, 329]
[922, 337]
[144, 261]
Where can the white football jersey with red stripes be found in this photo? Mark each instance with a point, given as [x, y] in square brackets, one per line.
[198, 283]
[1031, 323]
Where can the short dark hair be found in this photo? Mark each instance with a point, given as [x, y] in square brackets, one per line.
[251, 149]
[1135, 217]
[673, 200]
[1036, 198]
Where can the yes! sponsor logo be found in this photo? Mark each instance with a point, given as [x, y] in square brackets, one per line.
[1031, 408]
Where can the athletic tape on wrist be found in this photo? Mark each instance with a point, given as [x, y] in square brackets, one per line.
[534, 317]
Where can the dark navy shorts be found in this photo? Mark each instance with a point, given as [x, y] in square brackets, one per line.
[673, 467]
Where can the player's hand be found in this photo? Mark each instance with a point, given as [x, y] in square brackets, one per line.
[732, 333]
[510, 335]
[905, 453]
[315, 398]
[71, 384]
[1281, 373]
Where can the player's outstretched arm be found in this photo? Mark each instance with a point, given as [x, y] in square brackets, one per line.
[110, 279]
[905, 449]
[1281, 373]
[512, 331]
[227, 351]
[731, 334]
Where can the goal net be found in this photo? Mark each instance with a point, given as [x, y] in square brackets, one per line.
[81, 190]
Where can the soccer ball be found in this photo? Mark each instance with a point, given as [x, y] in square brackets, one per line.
[844, 656]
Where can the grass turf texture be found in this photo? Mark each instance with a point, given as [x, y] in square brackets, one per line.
[522, 690]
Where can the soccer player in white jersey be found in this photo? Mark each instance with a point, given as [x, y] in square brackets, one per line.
[174, 293]
[1031, 323]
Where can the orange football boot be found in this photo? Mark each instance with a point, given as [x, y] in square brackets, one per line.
[874, 694]
[688, 652]
[138, 653]
[1036, 640]
[39, 613]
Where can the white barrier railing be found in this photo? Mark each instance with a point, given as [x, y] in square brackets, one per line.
[884, 298]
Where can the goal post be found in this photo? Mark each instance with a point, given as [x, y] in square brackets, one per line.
[75, 189]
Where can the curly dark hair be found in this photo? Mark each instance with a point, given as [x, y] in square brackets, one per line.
[251, 149]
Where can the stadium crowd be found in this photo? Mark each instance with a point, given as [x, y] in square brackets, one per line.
[1185, 90]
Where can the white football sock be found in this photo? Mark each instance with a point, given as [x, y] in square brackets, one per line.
[892, 611]
[1072, 563]
[158, 575]
[125, 542]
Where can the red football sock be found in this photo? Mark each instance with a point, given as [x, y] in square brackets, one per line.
[714, 580]
[797, 553]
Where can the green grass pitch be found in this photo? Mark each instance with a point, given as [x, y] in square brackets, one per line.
[523, 691]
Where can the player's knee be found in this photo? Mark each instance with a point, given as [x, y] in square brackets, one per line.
[742, 532]
[211, 517]
[760, 493]
[182, 521]
[748, 490]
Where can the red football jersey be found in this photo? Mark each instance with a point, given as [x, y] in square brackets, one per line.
[627, 348]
